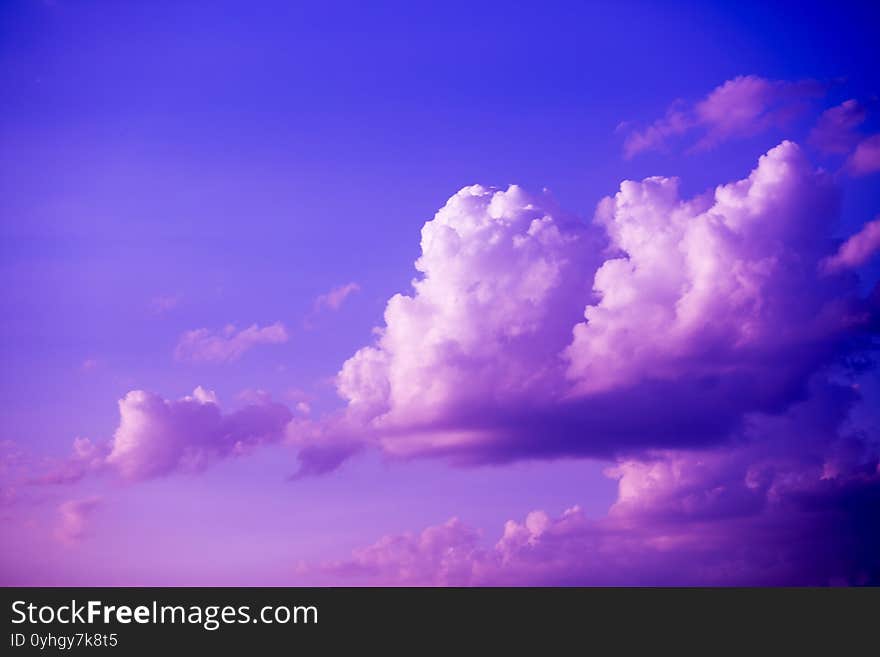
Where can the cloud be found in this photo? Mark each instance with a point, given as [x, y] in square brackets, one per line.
[504, 278]
[781, 547]
[837, 132]
[677, 121]
[330, 301]
[334, 299]
[74, 516]
[795, 502]
[836, 129]
[703, 286]
[866, 157]
[741, 107]
[857, 250]
[156, 436]
[530, 335]
[203, 346]
[446, 554]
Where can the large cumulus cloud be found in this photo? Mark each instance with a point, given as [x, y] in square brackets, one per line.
[741, 107]
[529, 336]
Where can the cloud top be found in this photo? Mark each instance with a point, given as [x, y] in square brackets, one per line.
[157, 436]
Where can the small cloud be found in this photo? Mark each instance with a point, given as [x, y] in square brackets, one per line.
[296, 394]
[204, 346]
[157, 436]
[87, 457]
[675, 122]
[88, 365]
[74, 516]
[334, 299]
[741, 107]
[164, 303]
[202, 396]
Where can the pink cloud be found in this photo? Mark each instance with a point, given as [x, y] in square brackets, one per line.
[857, 250]
[334, 299]
[530, 335]
[164, 303]
[203, 346]
[330, 301]
[677, 121]
[703, 286]
[74, 516]
[741, 107]
[13, 471]
[86, 458]
[444, 555]
[156, 436]
[504, 277]
[771, 549]
[866, 157]
[748, 105]
[835, 131]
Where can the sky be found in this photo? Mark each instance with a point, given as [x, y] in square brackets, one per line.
[471, 294]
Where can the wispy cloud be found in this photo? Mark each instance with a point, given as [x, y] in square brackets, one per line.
[73, 519]
[157, 436]
[204, 346]
[741, 107]
[330, 301]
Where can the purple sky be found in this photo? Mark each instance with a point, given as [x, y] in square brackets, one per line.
[486, 294]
